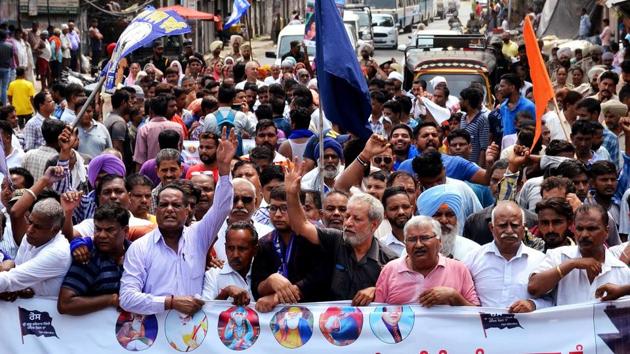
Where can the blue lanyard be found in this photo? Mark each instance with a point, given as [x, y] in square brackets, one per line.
[285, 256]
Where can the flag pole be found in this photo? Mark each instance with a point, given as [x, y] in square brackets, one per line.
[97, 89]
[562, 119]
[321, 150]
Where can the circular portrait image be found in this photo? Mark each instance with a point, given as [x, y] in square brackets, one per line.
[185, 333]
[392, 324]
[136, 332]
[341, 325]
[238, 327]
[292, 326]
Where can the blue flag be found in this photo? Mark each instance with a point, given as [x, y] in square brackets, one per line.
[239, 8]
[343, 91]
[145, 28]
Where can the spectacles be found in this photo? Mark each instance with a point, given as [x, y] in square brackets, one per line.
[383, 159]
[273, 209]
[244, 199]
[423, 239]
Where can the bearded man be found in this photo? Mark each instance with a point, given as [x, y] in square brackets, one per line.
[292, 330]
[445, 205]
[333, 165]
[208, 143]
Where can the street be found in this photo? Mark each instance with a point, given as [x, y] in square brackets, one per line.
[260, 46]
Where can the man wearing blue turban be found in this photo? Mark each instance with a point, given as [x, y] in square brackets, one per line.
[444, 204]
[333, 165]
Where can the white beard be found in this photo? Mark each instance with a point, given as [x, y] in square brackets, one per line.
[448, 242]
[330, 173]
[293, 323]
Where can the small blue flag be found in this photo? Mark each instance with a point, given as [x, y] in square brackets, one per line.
[145, 28]
[239, 8]
[343, 91]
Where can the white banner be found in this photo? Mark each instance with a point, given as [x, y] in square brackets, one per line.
[34, 326]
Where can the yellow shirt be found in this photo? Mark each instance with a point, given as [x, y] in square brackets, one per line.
[510, 50]
[21, 92]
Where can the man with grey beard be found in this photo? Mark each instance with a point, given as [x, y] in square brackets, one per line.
[333, 165]
[356, 256]
[445, 206]
[501, 268]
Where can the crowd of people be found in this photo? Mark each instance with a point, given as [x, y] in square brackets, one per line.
[109, 210]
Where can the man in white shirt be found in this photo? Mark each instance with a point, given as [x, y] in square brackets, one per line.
[44, 254]
[233, 280]
[572, 274]
[500, 269]
[251, 76]
[243, 210]
[398, 210]
[13, 155]
[227, 116]
[445, 204]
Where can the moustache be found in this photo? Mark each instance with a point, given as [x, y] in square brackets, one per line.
[586, 241]
[506, 235]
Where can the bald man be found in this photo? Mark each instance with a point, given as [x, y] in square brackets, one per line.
[243, 209]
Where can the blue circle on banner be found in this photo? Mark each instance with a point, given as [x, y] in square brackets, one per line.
[136, 332]
[183, 332]
[392, 324]
[238, 327]
[341, 326]
[292, 326]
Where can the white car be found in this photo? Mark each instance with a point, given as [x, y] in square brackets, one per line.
[385, 31]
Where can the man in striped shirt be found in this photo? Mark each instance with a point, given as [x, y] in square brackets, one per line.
[92, 286]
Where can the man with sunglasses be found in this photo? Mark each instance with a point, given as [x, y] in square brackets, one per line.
[164, 269]
[243, 210]
[287, 268]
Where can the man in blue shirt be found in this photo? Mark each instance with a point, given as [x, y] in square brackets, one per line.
[428, 139]
[510, 86]
[585, 25]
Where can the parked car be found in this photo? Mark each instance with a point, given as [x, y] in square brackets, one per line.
[295, 32]
[385, 31]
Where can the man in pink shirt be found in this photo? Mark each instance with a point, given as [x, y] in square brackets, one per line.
[424, 276]
[147, 146]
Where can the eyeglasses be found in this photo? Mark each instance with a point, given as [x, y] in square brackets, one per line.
[423, 239]
[273, 209]
[244, 199]
[383, 159]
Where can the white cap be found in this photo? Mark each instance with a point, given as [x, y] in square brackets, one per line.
[440, 114]
[394, 75]
[436, 81]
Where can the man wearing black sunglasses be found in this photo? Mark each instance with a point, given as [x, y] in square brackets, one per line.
[243, 209]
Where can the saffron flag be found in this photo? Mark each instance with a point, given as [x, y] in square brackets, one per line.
[543, 91]
[238, 10]
[343, 91]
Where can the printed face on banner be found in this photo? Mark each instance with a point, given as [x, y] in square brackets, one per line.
[392, 324]
[341, 325]
[292, 326]
[185, 333]
[238, 327]
[136, 332]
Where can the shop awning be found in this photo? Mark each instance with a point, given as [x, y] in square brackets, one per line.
[189, 14]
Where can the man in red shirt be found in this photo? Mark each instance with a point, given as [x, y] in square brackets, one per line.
[208, 143]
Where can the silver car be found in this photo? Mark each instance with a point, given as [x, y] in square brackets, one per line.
[385, 31]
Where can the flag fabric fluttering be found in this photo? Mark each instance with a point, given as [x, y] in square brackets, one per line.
[343, 91]
[542, 88]
[239, 8]
[145, 28]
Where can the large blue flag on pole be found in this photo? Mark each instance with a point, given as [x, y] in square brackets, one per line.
[239, 8]
[343, 91]
[145, 28]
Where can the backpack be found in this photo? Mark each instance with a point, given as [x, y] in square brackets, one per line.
[228, 122]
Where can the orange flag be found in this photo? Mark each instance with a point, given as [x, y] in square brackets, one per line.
[543, 91]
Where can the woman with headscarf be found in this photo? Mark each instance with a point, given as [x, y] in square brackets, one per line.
[176, 64]
[153, 73]
[134, 70]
